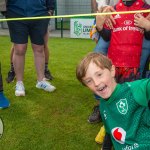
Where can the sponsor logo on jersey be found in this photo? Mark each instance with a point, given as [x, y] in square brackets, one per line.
[117, 16]
[127, 22]
[128, 84]
[131, 147]
[122, 106]
[105, 114]
[119, 134]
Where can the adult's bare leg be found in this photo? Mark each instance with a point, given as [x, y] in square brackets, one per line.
[39, 60]
[19, 60]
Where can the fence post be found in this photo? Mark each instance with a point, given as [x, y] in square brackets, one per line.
[61, 27]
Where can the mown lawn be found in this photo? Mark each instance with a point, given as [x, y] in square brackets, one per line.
[49, 121]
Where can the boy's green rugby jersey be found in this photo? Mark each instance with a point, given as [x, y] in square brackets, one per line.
[126, 115]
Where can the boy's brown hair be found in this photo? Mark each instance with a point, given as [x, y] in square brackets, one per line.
[97, 58]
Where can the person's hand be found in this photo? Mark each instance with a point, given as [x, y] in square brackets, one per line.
[51, 12]
[142, 22]
[109, 20]
[139, 20]
[148, 17]
[96, 40]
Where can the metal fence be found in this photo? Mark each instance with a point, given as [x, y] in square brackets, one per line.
[69, 7]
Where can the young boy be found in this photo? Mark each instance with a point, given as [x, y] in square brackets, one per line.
[123, 107]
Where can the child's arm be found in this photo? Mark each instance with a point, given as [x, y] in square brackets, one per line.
[105, 32]
[141, 91]
[107, 19]
[100, 20]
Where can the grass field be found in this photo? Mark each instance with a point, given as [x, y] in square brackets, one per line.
[49, 121]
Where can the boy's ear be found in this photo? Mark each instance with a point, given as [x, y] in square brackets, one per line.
[113, 71]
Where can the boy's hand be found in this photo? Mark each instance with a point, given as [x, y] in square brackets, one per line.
[95, 40]
[142, 22]
[148, 17]
[108, 19]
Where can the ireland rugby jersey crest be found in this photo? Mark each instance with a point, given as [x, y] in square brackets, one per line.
[122, 106]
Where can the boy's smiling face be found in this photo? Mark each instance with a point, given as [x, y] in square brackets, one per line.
[100, 81]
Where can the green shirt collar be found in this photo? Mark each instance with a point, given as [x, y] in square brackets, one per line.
[113, 95]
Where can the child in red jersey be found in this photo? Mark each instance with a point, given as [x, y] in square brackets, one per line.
[125, 39]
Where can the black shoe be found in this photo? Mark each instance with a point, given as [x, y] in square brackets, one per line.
[107, 144]
[95, 116]
[48, 75]
[11, 76]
